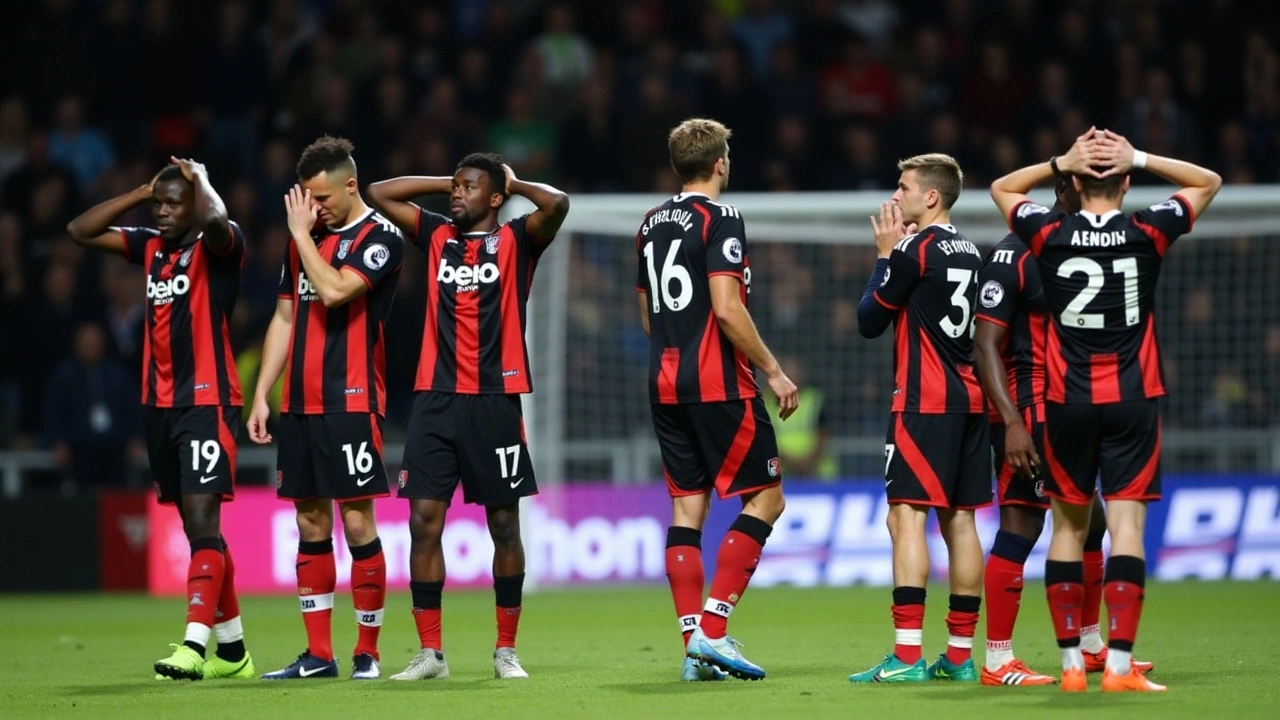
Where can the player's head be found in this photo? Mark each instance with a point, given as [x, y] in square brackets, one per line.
[1066, 199]
[928, 184]
[479, 189]
[699, 150]
[327, 169]
[172, 204]
[1110, 189]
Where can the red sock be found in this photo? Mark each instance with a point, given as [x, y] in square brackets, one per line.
[368, 594]
[1002, 582]
[508, 596]
[1094, 567]
[1124, 592]
[205, 574]
[736, 562]
[1065, 605]
[428, 624]
[228, 600]
[908, 630]
[962, 620]
[686, 576]
[317, 576]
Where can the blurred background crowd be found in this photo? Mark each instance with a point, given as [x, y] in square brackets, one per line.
[821, 95]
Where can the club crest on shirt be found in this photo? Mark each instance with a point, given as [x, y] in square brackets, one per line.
[774, 467]
[992, 293]
[343, 248]
[491, 244]
[186, 256]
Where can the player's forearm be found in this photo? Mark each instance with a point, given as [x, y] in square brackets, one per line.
[1182, 173]
[1008, 190]
[211, 213]
[275, 354]
[408, 187]
[874, 318]
[741, 331]
[550, 200]
[326, 279]
[992, 373]
[98, 219]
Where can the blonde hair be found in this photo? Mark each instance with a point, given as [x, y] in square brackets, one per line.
[695, 145]
[937, 171]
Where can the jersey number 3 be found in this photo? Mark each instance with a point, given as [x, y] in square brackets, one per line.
[960, 298]
[674, 287]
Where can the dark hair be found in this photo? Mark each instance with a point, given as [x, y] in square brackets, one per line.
[1066, 199]
[1108, 187]
[170, 173]
[491, 165]
[327, 154]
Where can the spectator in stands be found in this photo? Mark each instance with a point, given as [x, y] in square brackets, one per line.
[759, 29]
[13, 135]
[804, 440]
[91, 414]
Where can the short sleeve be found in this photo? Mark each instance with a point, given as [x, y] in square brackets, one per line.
[1165, 222]
[726, 243]
[234, 254]
[641, 270]
[520, 229]
[135, 243]
[287, 280]
[425, 226]
[900, 277]
[1028, 221]
[999, 287]
[378, 256]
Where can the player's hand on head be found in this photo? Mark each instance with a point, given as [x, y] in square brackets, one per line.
[190, 168]
[511, 175]
[300, 210]
[1083, 155]
[787, 393]
[1115, 153]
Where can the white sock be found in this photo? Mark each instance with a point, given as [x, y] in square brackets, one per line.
[1119, 661]
[999, 652]
[908, 637]
[229, 631]
[1091, 639]
[1072, 658]
[198, 634]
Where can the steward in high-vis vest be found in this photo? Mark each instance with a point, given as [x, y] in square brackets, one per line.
[803, 439]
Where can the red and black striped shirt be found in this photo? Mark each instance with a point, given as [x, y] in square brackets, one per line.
[191, 293]
[477, 299]
[932, 283]
[337, 356]
[1010, 295]
[1100, 274]
[682, 243]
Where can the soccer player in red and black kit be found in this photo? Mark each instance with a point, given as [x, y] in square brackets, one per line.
[937, 454]
[1009, 347]
[467, 424]
[712, 426]
[1102, 414]
[336, 288]
[189, 387]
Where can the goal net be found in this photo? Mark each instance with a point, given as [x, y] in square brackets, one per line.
[1218, 313]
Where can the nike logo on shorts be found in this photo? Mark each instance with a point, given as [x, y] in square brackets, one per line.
[516, 483]
[207, 479]
[362, 483]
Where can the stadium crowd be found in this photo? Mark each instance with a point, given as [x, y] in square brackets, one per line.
[820, 94]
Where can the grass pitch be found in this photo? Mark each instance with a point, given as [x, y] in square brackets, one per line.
[615, 653]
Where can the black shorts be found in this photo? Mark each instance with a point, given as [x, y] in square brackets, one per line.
[941, 461]
[192, 450]
[729, 446]
[1118, 441]
[1012, 488]
[337, 456]
[477, 440]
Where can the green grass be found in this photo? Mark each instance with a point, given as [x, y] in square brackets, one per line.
[615, 654]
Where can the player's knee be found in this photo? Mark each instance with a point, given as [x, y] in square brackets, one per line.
[1024, 522]
[768, 504]
[200, 519]
[504, 528]
[426, 524]
[904, 519]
